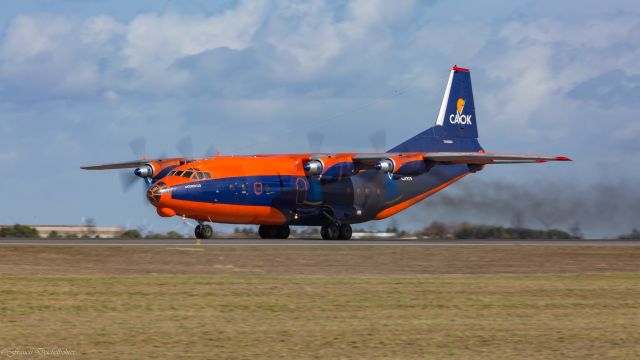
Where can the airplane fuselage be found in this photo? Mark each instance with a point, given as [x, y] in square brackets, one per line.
[275, 190]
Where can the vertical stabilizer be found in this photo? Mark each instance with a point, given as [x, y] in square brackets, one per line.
[457, 116]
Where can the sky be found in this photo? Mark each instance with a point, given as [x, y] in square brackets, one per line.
[79, 80]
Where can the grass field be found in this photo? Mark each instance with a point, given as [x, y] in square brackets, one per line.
[274, 314]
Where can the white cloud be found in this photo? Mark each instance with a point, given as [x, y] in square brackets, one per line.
[61, 56]
[595, 33]
[313, 35]
[58, 56]
[156, 41]
[29, 36]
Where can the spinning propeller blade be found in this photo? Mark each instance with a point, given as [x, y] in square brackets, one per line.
[315, 139]
[378, 141]
[185, 146]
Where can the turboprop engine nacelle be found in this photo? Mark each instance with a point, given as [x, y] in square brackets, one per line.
[314, 167]
[157, 169]
[145, 171]
[331, 168]
[404, 165]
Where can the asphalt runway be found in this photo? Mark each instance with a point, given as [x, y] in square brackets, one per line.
[313, 242]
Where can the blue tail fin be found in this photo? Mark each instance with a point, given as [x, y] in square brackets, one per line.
[457, 116]
[456, 126]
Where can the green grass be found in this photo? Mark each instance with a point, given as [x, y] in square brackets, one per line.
[292, 317]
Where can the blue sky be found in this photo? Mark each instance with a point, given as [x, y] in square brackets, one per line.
[80, 79]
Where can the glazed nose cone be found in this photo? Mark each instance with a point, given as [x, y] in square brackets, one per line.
[158, 195]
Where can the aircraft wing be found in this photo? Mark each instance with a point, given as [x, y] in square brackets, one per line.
[369, 160]
[127, 165]
[480, 158]
[488, 158]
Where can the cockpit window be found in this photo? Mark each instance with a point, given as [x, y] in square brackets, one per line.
[191, 173]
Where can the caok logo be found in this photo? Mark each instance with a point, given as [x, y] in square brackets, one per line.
[458, 117]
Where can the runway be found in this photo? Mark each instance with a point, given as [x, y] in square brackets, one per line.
[314, 242]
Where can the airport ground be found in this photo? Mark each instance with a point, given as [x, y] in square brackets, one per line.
[533, 300]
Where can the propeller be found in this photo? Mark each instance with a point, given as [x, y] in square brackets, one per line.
[315, 139]
[378, 140]
[211, 151]
[127, 179]
[138, 147]
[185, 146]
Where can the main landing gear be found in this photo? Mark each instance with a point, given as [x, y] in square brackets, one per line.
[334, 231]
[204, 231]
[274, 231]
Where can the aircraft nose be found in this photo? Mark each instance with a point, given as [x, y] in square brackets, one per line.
[158, 195]
[158, 192]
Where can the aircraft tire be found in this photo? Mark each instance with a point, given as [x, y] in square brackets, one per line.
[283, 231]
[198, 232]
[206, 231]
[330, 232]
[268, 232]
[345, 232]
[262, 231]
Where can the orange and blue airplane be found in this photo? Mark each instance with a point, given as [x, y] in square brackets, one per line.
[330, 190]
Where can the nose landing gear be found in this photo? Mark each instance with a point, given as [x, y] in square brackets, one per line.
[203, 231]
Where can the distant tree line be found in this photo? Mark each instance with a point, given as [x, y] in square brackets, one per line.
[440, 230]
[18, 231]
[24, 231]
[436, 230]
[633, 235]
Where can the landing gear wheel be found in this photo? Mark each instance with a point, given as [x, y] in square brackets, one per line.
[283, 231]
[206, 231]
[330, 232]
[268, 231]
[345, 232]
[203, 232]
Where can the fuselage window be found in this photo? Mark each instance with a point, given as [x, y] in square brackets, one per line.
[257, 188]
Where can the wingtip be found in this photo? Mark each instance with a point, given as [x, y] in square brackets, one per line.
[563, 158]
